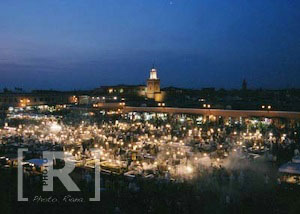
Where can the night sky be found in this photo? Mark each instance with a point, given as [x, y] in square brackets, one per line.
[83, 44]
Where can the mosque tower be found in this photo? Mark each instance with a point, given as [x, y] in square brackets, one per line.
[153, 84]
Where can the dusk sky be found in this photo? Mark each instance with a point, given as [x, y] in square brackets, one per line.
[83, 44]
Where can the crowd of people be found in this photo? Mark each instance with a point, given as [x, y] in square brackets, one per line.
[227, 157]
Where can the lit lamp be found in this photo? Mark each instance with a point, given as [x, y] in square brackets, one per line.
[24, 102]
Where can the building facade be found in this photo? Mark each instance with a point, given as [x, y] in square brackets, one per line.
[12, 99]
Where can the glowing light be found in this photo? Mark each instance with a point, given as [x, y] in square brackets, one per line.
[189, 169]
[55, 128]
[153, 73]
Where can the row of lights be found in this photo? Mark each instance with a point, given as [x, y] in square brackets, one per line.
[25, 101]
[266, 107]
[103, 98]
[206, 106]
[161, 104]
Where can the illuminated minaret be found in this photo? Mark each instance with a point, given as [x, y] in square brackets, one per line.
[153, 74]
[153, 84]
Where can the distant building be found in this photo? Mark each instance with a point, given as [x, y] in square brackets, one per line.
[151, 90]
[13, 99]
[138, 90]
[153, 87]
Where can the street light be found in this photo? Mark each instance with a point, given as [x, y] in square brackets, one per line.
[206, 105]
[266, 107]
